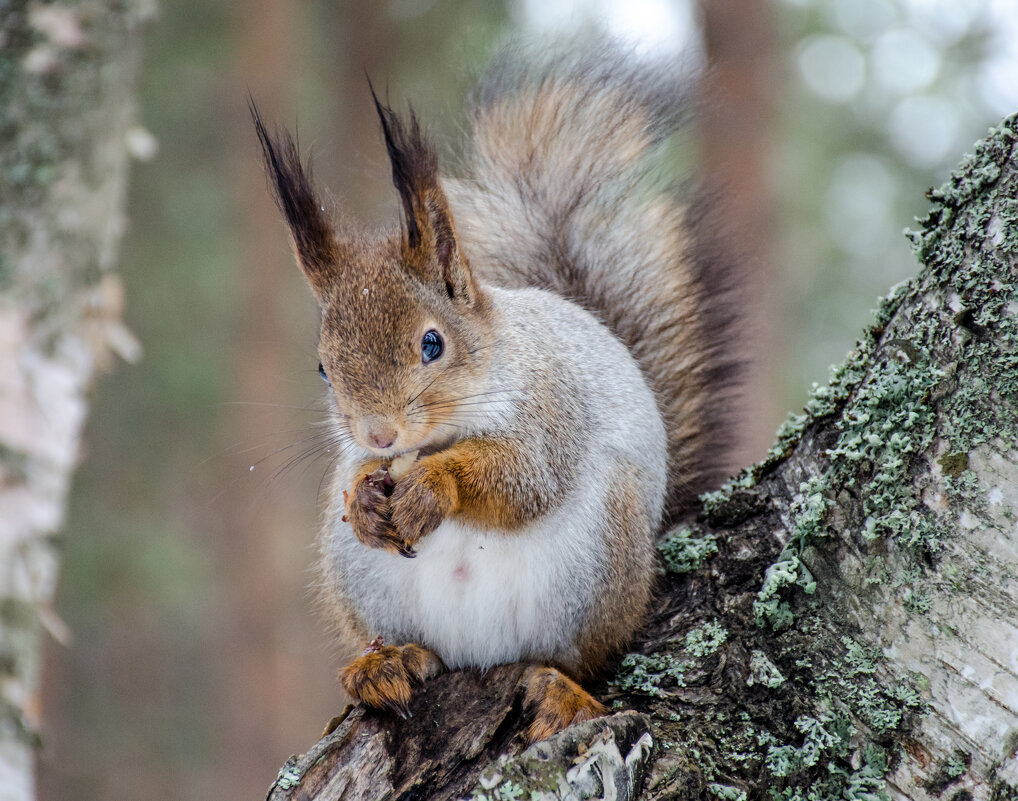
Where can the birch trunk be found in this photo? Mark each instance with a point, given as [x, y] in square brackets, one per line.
[66, 120]
[841, 620]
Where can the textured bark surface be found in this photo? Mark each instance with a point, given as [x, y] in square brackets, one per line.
[66, 125]
[841, 621]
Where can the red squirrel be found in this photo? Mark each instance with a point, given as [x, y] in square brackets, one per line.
[542, 343]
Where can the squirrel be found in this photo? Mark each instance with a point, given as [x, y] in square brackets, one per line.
[546, 342]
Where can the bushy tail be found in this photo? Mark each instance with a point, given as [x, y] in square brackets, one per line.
[560, 195]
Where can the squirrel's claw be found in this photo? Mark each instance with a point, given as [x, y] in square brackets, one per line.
[397, 706]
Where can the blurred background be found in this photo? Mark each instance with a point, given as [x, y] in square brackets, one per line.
[197, 665]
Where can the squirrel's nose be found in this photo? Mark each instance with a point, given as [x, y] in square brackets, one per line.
[378, 434]
[382, 440]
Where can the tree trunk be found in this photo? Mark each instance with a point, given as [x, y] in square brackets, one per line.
[66, 125]
[253, 719]
[734, 135]
[841, 621]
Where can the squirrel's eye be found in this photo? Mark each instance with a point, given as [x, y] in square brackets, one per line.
[431, 346]
[321, 372]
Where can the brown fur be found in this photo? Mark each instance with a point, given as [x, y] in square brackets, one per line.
[384, 676]
[553, 701]
[378, 297]
[491, 482]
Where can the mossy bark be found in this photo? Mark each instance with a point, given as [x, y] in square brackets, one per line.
[840, 621]
[66, 77]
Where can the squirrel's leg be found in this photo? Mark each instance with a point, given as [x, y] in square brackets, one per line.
[554, 701]
[385, 675]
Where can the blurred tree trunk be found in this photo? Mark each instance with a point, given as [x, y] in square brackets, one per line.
[252, 671]
[67, 74]
[841, 621]
[369, 49]
[265, 655]
[734, 135]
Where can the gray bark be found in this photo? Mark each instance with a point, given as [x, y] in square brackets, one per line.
[66, 124]
[840, 621]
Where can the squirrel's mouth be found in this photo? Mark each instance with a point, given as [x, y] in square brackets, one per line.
[431, 440]
[426, 450]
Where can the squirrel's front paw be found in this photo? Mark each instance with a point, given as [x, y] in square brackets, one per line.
[368, 512]
[422, 499]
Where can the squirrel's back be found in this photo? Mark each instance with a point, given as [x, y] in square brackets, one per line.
[558, 195]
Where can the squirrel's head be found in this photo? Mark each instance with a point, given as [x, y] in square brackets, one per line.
[404, 324]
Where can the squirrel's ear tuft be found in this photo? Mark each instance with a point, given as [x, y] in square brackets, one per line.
[314, 239]
[428, 219]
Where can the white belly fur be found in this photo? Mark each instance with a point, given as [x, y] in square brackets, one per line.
[481, 598]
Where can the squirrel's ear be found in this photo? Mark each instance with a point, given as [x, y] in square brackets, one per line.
[430, 233]
[319, 253]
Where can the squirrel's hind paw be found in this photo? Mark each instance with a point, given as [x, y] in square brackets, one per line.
[554, 701]
[385, 675]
